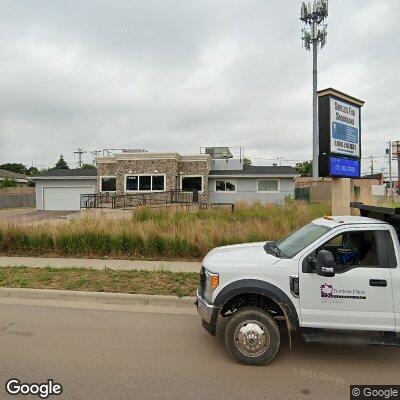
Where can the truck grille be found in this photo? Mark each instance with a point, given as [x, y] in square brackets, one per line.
[202, 283]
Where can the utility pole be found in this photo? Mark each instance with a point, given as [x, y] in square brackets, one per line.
[314, 35]
[79, 151]
[389, 153]
[372, 164]
[396, 155]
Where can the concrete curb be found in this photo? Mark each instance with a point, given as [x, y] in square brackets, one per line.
[91, 263]
[98, 300]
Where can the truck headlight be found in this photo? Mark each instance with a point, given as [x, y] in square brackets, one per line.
[212, 281]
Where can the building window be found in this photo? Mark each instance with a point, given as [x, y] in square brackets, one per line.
[158, 182]
[131, 183]
[108, 184]
[190, 183]
[144, 183]
[225, 186]
[268, 185]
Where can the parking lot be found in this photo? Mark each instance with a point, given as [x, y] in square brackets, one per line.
[30, 215]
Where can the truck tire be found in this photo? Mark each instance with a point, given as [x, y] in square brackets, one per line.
[252, 336]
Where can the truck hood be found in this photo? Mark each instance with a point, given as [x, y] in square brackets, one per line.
[238, 255]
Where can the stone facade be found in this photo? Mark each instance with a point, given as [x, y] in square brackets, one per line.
[172, 167]
[196, 168]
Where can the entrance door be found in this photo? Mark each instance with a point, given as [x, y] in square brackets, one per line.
[359, 296]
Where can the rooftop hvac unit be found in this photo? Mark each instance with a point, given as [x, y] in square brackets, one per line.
[218, 152]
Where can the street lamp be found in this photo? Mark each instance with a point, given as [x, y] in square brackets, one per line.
[314, 34]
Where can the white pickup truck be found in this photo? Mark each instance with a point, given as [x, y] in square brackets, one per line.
[335, 279]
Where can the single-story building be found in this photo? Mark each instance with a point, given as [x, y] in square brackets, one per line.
[61, 189]
[20, 179]
[266, 184]
[216, 178]
[147, 172]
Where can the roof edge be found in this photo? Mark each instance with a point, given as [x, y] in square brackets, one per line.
[49, 177]
[340, 95]
[253, 176]
[153, 156]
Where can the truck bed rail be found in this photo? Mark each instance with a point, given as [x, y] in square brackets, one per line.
[391, 215]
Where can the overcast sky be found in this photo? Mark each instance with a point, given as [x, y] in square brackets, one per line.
[175, 75]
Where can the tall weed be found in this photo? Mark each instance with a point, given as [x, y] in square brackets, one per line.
[158, 234]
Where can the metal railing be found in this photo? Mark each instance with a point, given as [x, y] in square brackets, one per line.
[131, 200]
[95, 200]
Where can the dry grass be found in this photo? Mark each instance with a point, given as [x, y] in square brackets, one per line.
[153, 234]
[107, 280]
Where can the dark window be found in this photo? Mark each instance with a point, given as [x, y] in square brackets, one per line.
[158, 183]
[190, 183]
[230, 186]
[358, 249]
[108, 184]
[225, 186]
[220, 186]
[145, 182]
[131, 183]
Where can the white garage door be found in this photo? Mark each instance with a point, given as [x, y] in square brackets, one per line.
[63, 198]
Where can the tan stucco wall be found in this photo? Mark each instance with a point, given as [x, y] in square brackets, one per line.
[321, 189]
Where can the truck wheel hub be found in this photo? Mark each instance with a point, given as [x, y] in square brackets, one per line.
[252, 338]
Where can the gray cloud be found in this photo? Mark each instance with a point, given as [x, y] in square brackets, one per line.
[176, 75]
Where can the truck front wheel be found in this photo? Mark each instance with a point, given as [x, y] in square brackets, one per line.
[252, 336]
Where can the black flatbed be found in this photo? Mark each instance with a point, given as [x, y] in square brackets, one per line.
[386, 214]
[366, 209]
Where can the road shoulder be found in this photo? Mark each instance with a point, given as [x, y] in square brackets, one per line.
[98, 301]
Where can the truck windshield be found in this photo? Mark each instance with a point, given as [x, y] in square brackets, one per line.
[299, 240]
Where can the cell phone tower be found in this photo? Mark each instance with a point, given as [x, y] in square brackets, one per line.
[314, 35]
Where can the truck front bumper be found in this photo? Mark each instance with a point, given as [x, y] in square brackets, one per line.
[209, 314]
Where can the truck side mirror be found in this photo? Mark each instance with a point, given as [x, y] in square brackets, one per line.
[325, 265]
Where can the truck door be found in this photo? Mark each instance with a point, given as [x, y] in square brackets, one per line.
[359, 296]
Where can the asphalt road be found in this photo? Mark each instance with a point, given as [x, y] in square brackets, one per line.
[98, 354]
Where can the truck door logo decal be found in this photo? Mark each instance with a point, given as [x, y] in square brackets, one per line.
[326, 290]
[329, 291]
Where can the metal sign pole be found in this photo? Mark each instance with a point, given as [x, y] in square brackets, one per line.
[314, 35]
[390, 171]
[315, 107]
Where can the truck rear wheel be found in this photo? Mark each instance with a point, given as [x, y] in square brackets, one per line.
[252, 336]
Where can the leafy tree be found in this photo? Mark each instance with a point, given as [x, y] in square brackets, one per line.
[14, 167]
[8, 183]
[61, 163]
[304, 168]
[246, 161]
[87, 166]
[32, 171]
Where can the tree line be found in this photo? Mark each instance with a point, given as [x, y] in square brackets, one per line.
[20, 168]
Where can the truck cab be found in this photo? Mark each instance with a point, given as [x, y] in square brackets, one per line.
[336, 277]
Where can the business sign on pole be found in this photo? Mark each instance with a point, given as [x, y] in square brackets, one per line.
[345, 128]
[344, 167]
[339, 134]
